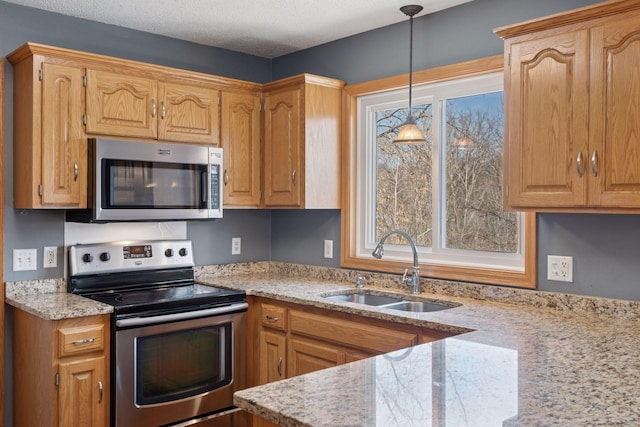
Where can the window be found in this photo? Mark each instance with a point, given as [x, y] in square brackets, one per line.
[446, 193]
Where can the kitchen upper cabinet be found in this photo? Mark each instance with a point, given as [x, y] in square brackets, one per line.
[61, 369]
[136, 106]
[302, 142]
[572, 127]
[50, 153]
[241, 129]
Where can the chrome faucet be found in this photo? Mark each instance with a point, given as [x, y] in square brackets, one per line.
[414, 281]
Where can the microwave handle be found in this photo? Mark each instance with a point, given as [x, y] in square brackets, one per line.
[204, 192]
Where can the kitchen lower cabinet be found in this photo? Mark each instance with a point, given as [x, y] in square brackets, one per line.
[60, 371]
[307, 355]
[294, 340]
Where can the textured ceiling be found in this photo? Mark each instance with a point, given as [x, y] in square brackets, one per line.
[267, 28]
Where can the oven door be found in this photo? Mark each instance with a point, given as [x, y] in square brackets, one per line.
[174, 368]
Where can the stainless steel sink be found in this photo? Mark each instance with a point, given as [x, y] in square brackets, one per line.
[391, 302]
[367, 299]
[418, 306]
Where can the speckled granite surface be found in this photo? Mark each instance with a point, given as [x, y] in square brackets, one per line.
[531, 359]
[523, 358]
[49, 300]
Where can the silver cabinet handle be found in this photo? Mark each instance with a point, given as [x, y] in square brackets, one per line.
[226, 177]
[85, 341]
[594, 163]
[579, 163]
[100, 391]
[272, 318]
[163, 109]
[154, 108]
[75, 171]
[280, 366]
[293, 176]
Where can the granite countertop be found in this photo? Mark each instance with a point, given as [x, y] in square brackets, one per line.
[49, 300]
[520, 364]
[522, 357]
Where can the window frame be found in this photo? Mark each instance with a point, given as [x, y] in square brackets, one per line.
[349, 257]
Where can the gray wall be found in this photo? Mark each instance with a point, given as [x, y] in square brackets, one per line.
[604, 247]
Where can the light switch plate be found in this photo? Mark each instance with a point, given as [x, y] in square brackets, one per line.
[25, 259]
[328, 248]
[236, 245]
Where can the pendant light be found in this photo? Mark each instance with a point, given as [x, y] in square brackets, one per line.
[409, 132]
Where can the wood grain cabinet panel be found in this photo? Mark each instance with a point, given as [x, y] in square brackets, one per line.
[50, 156]
[302, 134]
[572, 90]
[121, 104]
[241, 130]
[188, 113]
[61, 369]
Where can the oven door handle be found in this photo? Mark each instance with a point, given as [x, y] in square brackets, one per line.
[141, 321]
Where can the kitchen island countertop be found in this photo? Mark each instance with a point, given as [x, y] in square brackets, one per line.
[518, 365]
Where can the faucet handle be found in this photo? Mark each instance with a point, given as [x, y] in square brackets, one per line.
[406, 280]
[360, 282]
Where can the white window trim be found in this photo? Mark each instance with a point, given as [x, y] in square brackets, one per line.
[365, 176]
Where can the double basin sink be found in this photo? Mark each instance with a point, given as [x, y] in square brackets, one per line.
[392, 302]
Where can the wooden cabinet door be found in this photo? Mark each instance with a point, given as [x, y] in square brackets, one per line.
[83, 399]
[188, 113]
[240, 133]
[272, 364]
[615, 114]
[312, 355]
[64, 146]
[119, 104]
[547, 122]
[284, 175]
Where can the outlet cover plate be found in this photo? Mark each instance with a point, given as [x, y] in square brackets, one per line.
[328, 248]
[50, 257]
[560, 268]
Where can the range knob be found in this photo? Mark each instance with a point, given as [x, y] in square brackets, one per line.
[183, 252]
[105, 256]
[87, 257]
[168, 253]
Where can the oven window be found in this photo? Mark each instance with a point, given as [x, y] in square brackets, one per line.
[181, 364]
[131, 184]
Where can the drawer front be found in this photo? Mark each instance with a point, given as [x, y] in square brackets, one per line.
[353, 334]
[80, 339]
[274, 317]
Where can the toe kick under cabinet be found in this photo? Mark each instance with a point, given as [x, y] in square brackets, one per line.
[60, 371]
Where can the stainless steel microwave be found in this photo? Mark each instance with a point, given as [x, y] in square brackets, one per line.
[152, 181]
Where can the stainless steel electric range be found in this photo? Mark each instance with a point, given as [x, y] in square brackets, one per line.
[178, 346]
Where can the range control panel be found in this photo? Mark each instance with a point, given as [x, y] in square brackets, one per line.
[129, 256]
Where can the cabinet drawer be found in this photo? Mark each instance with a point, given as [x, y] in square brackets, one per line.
[80, 339]
[274, 317]
[360, 335]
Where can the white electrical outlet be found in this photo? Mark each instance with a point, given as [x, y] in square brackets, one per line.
[25, 259]
[560, 268]
[50, 258]
[328, 248]
[236, 245]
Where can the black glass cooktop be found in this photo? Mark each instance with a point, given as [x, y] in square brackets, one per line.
[167, 297]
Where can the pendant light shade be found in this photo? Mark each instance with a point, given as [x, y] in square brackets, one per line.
[409, 132]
